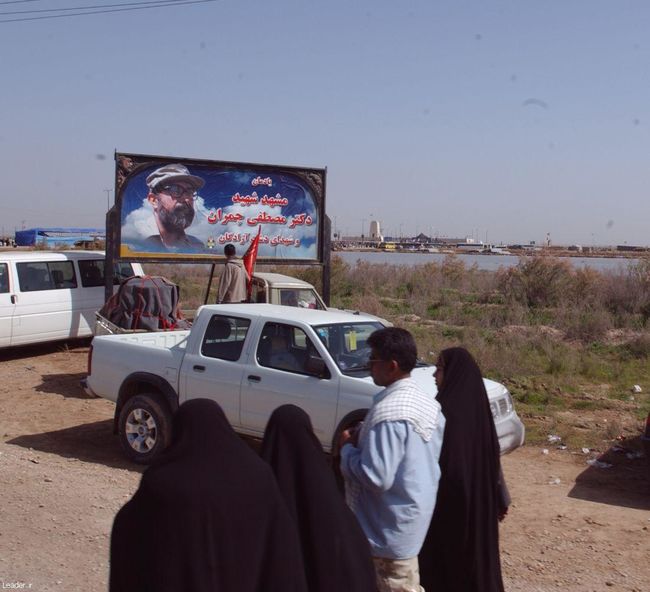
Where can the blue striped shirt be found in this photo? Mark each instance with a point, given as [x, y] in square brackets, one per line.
[398, 474]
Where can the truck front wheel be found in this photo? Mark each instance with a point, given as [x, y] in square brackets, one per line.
[144, 428]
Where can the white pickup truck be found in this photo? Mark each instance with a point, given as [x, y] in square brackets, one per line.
[252, 358]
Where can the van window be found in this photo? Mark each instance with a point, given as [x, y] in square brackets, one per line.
[52, 275]
[92, 272]
[4, 278]
[62, 274]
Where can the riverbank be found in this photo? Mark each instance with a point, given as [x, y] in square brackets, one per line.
[488, 262]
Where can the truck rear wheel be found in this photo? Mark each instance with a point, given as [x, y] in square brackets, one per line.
[144, 428]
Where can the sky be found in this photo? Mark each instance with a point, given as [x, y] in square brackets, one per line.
[498, 120]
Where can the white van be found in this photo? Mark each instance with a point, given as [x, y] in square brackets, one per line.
[47, 296]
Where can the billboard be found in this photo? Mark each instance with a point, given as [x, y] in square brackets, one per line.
[185, 209]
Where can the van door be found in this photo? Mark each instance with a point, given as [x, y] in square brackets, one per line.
[43, 303]
[7, 305]
[90, 298]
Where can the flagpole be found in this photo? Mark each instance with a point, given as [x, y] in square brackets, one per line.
[207, 292]
[249, 259]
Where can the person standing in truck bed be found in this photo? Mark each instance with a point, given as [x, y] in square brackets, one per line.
[232, 285]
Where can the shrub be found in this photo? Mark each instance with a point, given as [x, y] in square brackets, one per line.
[638, 348]
[536, 281]
[585, 323]
[628, 291]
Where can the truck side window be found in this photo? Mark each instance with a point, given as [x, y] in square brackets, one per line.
[224, 337]
[4, 278]
[284, 347]
[259, 292]
[289, 297]
[300, 297]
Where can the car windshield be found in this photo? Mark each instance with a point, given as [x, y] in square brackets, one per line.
[347, 344]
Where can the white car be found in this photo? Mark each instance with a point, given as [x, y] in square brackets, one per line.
[252, 358]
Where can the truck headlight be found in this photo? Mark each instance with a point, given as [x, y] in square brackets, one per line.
[502, 406]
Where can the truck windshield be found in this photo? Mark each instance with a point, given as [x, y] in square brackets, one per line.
[347, 344]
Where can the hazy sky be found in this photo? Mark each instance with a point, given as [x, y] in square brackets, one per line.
[511, 118]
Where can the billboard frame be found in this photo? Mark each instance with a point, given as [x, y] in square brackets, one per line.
[129, 164]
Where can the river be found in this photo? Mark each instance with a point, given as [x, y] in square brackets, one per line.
[485, 262]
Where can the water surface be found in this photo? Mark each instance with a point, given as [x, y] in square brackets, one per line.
[484, 262]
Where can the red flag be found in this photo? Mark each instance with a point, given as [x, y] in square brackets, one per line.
[249, 261]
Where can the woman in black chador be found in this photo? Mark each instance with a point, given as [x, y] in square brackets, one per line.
[207, 517]
[461, 549]
[335, 550]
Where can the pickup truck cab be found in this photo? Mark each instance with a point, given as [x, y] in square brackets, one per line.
[276, 288]
[252, 358]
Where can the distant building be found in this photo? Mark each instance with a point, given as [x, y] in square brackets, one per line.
[529, 247]
[469, 245]
[634, 248]
[375, 232]
[59, 237]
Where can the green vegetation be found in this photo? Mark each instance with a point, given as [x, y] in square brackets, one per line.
[569, 343]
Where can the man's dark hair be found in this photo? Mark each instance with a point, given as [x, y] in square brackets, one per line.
[393, 343]
[229, 250]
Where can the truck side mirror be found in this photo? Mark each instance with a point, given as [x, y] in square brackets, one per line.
[316, 367]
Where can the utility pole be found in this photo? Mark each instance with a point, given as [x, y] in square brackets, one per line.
[108, 198]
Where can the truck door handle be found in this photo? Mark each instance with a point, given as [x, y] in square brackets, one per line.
[198, 368]
[13, 299]
[254, 378]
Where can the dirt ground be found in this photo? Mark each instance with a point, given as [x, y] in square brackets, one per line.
[571, 527]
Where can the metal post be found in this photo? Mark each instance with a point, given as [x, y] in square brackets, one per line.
[207, 292]
[327, 259]
[109, 258]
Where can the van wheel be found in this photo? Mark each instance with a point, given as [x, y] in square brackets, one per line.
[144, 428]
